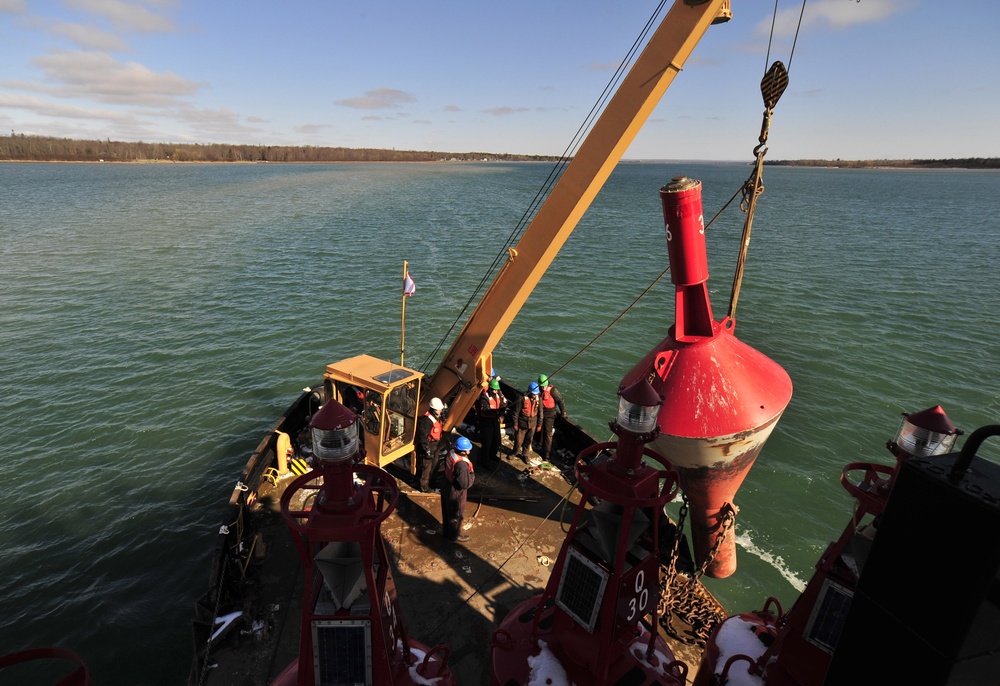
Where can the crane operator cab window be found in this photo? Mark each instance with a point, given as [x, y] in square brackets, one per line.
[364, 402]
[351, 397]
[371, 416]
[401, 410]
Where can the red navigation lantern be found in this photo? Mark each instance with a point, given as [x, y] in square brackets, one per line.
[923, 434]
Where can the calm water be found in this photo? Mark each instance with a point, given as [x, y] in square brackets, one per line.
[155, 320]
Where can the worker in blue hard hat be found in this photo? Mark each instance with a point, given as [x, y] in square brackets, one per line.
[459, 475]
[529, 419]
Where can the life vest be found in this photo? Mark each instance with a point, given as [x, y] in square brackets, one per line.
[530, 405]
[436, 424]
[453, 459]
[496, 401]
[547, 400]
[493, 407]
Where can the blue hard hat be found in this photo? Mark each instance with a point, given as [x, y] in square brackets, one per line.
[463, 444]
[533, 387]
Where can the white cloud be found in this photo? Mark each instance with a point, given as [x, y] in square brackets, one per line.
[83, 74]
[835, 14]
[311, 129]
[377, 99]
[504, 111]
[47, 108]
[604, 66]
[127, 16]
[91, 37]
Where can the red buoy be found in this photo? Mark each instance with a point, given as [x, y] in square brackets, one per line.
[351, 627]
[588, 626]
[722, 398]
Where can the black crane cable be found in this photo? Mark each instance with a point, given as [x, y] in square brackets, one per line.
[751, 189]
[553, 177]
[556, 172]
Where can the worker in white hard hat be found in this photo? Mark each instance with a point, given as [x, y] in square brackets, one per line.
[428, 440]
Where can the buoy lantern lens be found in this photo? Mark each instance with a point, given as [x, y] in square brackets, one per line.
[638, 419]
[335, 445]
[921, 442]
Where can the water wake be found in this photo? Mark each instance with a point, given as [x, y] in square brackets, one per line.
[744, 541]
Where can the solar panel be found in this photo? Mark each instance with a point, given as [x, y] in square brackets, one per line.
[828, 616]
[342, 652]
[393, 375]
[581, 588]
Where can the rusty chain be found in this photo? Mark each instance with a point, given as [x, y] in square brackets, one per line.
[680, 593]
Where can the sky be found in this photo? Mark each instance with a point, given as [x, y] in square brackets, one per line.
[868, 79]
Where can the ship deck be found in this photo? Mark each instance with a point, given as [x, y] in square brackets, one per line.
[454, 594]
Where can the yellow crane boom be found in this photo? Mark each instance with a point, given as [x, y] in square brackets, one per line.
[465, 368]
[390, 398]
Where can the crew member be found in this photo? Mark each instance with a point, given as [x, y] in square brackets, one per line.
[492, 405]
[551, 400]
[459, 475]
[529, 418]
[428, 440]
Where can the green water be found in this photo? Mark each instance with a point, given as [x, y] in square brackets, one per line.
[155, 320]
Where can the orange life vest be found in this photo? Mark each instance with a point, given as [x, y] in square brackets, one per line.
[530, 405]
[496, 401]
[435, 432]
[547, 399]
[453, 459]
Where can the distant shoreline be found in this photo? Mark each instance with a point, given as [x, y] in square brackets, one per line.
[24, 148]
[250, 162]
[981, 164]
[956, 163]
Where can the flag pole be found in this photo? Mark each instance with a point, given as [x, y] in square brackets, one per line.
[402, 328]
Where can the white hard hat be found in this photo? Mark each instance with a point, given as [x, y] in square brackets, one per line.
[436, 404]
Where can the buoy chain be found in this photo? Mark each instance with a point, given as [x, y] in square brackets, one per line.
[727, 522]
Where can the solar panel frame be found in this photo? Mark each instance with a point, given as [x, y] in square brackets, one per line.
[581, 588]
[342, 652]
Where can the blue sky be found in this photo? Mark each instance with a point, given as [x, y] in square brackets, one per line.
[875, 79]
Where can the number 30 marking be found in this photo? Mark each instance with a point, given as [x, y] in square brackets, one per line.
[637, 605]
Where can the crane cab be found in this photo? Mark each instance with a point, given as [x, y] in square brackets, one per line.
[385, 396]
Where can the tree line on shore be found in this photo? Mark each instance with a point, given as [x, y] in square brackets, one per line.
[954, 163]
[23, 148]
